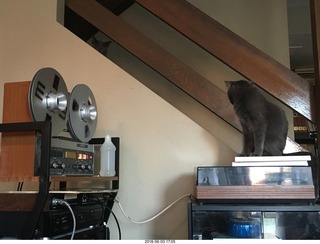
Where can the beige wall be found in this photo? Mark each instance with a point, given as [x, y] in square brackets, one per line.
[160, 146]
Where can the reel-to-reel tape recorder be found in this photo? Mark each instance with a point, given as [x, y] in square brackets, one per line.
[75, 112]
[49, 100]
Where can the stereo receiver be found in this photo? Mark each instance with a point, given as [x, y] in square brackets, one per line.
[71, 158]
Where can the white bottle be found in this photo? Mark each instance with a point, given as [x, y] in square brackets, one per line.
[107, 158]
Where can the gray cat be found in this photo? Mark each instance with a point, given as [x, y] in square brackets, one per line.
[264, 125]
[100, 46]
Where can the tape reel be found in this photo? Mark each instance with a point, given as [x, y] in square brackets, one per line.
[48, 99]
[83, 113]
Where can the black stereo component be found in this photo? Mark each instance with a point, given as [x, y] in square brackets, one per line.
[56, 221]
[87, 198]
[71, 158]
[59, 221]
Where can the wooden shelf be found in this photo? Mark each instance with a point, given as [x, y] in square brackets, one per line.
[82, 178]
[19, 178]
[95, 178]
[63, 183]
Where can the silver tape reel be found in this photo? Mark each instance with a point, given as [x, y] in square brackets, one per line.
[48, 99]
[83, 113]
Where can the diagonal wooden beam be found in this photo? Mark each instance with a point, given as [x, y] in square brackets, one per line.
[157, 58]
[235, 52]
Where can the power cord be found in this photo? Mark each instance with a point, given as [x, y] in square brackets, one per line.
[106, 208]
[57, 201]
[154, 217]
[116, 219]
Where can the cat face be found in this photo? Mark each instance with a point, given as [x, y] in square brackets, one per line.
[234, 87]
[100, 46]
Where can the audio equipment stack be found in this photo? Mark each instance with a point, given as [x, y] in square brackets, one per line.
[73, 116]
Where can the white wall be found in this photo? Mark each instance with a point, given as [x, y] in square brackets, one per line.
[160, 146]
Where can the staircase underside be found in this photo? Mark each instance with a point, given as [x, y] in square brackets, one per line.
[223, 44]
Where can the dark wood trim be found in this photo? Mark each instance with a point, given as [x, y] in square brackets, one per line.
[315, 27]
[116, 6]
[235, 52]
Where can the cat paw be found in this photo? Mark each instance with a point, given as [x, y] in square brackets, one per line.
[242, 155]
[255, 154]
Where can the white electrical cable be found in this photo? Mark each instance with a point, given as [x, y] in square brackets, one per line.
[56, 201]
[152, 218]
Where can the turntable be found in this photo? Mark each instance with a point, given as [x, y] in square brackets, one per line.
[255, 184]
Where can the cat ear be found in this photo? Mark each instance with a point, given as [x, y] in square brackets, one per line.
[107, 44]
[228, 83]
[250, 82]
[94, 40]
